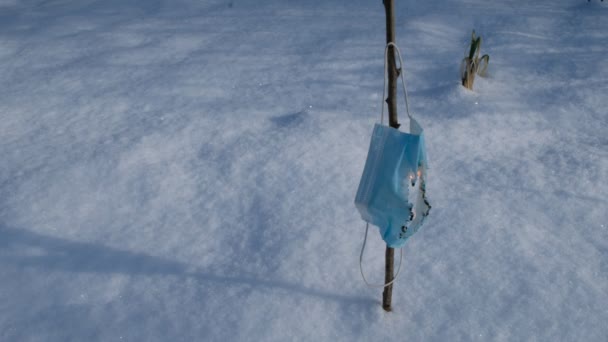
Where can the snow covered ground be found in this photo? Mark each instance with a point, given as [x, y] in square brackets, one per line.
[186, 170]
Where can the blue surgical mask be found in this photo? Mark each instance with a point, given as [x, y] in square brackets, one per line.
[392, 194]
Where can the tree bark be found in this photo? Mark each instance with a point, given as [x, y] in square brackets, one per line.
[393, 73]
[391, 100]
[387, 295]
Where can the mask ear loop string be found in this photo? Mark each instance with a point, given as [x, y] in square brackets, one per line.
[401, 74]
[407, 110]
[361, 263]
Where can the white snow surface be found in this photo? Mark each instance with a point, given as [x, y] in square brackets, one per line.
[186, 171]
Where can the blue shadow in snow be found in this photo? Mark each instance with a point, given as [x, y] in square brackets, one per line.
[26, 249]
[290, 120]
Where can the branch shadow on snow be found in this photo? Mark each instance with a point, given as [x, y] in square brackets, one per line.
[27, 249]
[290, 120]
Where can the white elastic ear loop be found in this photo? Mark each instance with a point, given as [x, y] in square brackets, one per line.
[401, 74]
[407, 109]
[361, 263]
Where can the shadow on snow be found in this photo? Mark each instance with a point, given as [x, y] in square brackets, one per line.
[25, 249]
